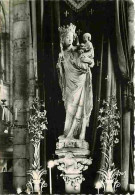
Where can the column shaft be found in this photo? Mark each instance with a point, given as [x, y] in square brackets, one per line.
[20, 73]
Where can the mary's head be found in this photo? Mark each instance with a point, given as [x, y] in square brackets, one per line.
[68, 39]
[67, 35]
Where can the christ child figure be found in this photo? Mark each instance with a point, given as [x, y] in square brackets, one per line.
[86, 50]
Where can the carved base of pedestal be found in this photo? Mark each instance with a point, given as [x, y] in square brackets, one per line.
[71, 142]
[72, 161]
[73, 183]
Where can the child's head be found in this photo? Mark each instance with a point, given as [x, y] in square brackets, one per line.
[86, 37]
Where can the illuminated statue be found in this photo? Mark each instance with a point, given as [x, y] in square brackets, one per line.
[75, 78]
[86, 49]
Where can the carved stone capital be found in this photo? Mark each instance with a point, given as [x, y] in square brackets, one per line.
[72, 161]
[71, 164]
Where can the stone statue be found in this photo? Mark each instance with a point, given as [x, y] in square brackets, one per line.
[86, 49]
[75, 79]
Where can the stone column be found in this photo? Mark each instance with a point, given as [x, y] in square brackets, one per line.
[2, 58]
[7, 56]
[20, 94]
[5, 53]
[72, 161]
[11, 53]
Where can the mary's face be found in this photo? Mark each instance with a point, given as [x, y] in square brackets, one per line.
[68, 40]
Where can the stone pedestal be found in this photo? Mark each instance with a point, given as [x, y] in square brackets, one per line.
[72, 161]
[73, 182]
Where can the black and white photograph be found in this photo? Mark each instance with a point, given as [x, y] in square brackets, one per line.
[67, 83]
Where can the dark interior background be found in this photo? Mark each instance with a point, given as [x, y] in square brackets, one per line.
[98, 19]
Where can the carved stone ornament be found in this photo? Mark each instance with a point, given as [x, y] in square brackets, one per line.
[72, 164]
[20, 43]
[77, 5]
[36, 125]
[78, 101]
[73, 143]
[72, 161]
[74, 180]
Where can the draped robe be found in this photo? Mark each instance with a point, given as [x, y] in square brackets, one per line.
[75, 80]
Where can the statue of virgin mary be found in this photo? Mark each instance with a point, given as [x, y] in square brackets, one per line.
[75, 80]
